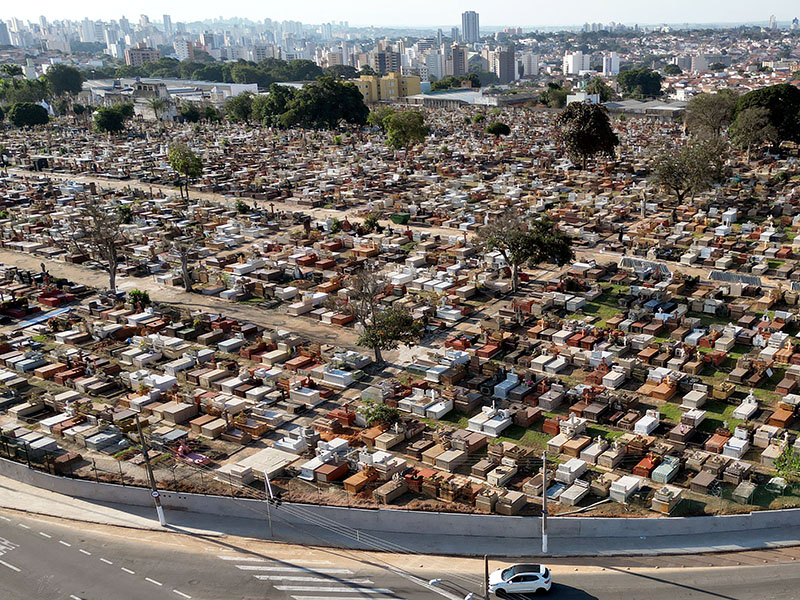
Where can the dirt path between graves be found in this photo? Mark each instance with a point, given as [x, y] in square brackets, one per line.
[311, 330]
[318, 213]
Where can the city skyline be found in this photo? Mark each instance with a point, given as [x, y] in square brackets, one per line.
[419, 14]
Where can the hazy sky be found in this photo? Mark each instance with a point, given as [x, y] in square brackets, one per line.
[420, 12]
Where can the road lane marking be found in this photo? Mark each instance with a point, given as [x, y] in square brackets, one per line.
[294, 570]
[108, 562]
[74, 597]
[63, 543]
[43, 534]
[257, 559]
[86, 552]
[314, 588]
[10, 566]
[128, 571]
[181, 594]
[23, 525]
[153, 581]
[5, 518]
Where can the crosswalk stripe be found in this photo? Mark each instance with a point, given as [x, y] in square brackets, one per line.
[321, 579]
[314, 588]
[336, 597]
[262, 560]
[294, 570]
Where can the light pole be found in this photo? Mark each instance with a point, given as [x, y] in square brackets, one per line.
[544, 502]
[270, 498]
[153, 491]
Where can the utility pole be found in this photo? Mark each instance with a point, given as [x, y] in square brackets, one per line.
[270, 498]
[153, 491]
[544, 502]
[485, 577]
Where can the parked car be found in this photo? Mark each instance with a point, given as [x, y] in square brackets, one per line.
[519, 579]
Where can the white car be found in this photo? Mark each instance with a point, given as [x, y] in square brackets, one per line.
[520, 579]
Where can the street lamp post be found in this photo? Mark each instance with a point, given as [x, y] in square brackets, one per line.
[544, 502]
[270, 498]
[153, 491]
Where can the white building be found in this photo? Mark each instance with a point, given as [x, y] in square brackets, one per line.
[530, 64]
[611, 65]
[576, 62]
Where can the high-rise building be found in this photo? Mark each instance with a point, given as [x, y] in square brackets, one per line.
[5, 39]
[530, 64]
[386, 62]
[575, 63]
[470, 26]
[773, 22]
[184, 49]
[144, 21]
[457, 60]
[136, 57]
[502, 64]
[611, 64]
[795, 24]
[455, 34]
[167, 20]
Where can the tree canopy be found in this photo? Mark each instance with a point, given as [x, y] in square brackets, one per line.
[752, 128]
[640, 83]
[672, 70]
[584, 129]
[267, 109]
[324, 104]
[64, 79]
[693, 169]
[782, 101]
[405, 128]
[601, 88]
[109, 119]
[27, 114]
[184, 161]
[388, 329]
[710, 114]
[497, 129]
[239, 108]
[521, 239]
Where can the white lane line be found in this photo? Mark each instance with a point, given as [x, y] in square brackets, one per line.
[23, 525]
[314, 588]
[5, 518]
[153, 581]
[63, 543]
[317, 579]
[128, 571]
[43, 534]
[294, 570]
[74, 597]
[86, 552]
[108, 562]
[181, 594]
[10, 566]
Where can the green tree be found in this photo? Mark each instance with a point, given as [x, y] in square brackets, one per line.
[12, 70]
[371, 222]
[211, 114]
[497, 129]
[240, 108]
[520, 240]
[584, 129]
[125, 214]
[710, 114]
[672, 70]
[787, 465]
[640, 83]
[267, 109]
[125, 109]
[752, 127]
[27, 114]
[109, 119]
[241, 206]
[186, 163]
[342, 72]
[601, 88]
[158, 106]
[101, 227]
[554, 95]
[325, 104]
[190, 112]
[693, 169]
[405, 128]
[783, 103]
[139, 298]
[64, 79]
[388, 329]
[479, 118]
[378, 413]
[379, 116]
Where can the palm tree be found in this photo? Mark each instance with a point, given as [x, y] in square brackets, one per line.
[158, 105]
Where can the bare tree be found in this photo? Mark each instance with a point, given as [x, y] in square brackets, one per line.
[184, 246]
[101, 226]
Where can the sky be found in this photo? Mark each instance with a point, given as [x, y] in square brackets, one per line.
[421, 13]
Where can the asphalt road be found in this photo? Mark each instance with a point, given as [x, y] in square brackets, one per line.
[42, 558]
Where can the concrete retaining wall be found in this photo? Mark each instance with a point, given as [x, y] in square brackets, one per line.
[400, 522]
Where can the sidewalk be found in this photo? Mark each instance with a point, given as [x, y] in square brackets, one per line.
[19, 496]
